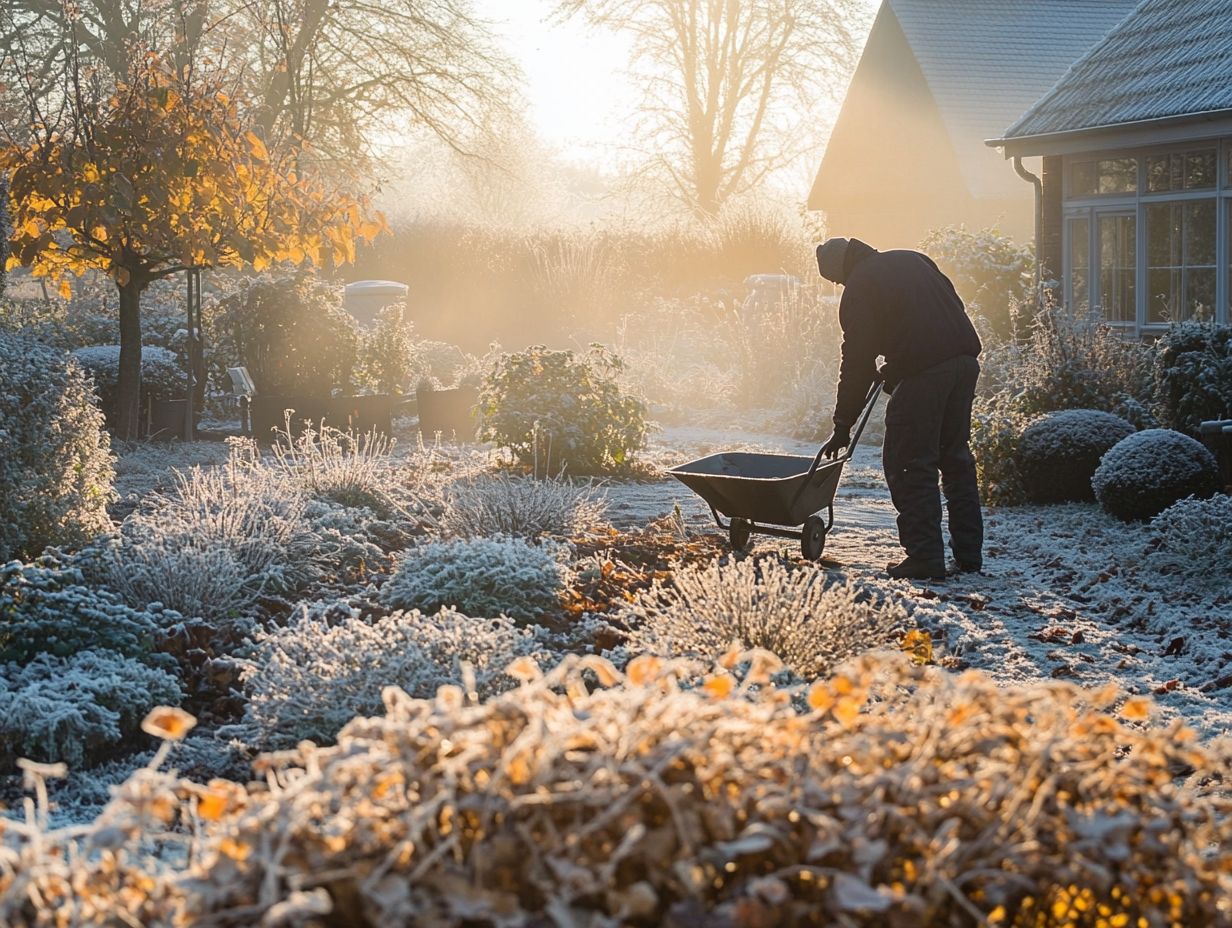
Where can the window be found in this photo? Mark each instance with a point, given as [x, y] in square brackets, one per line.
[1117, 243]
[1080, 265]
[1188, 170]
[1108, 175]
[1181, 275]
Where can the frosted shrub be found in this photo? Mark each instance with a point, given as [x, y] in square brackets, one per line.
[703, 610]
[1149, 471]
[503, 504]
[340, 467]
[46, 608]
[479, 577]
[996, 427]
[1193, 374]
[55, 459]
[329, 664]
[162, 377]
[77, 708]
[901, 796]
[1058, 453]
[222, 538]
[555, 409]
[77, 668]
[991, 272]
[1194, 540]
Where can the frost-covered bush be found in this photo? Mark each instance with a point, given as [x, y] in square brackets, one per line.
[1147, 472]
[55, 458]
[1194, 539]
[1058, 453]
[338, 467]
[291, 333]
[1072, 362]
[996, 427]
[162, 377]
[558, 409]
[47, 608]
[479, 577]
[1193, 375]
[222, 538]
[77, 667]
[991, 272]
[389, 354]
[899, 796]
[502, 504]
[329, 664]
[77, 708]
[702, 611]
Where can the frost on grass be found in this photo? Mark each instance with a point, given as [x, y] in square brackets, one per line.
[902, 795]
[503, 504]
[76, 708]
[1149, 471]
[329, 664]
[1058, 453]
[479, 576]
[810, 625]
[1193, 539]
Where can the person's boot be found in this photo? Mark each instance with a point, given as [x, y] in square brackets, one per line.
[968, 567]
[912, 568]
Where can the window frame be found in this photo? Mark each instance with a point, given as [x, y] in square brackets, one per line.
[1092, 206]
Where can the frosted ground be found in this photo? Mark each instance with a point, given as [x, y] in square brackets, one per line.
[1068, 592]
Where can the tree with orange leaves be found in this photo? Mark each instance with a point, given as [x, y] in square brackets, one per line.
[160, 175]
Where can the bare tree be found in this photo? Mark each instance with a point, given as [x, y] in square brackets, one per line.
[728, 83]
[334, 74]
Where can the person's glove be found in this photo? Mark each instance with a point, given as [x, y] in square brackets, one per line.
[837, 441]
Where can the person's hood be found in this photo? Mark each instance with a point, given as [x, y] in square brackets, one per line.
[857, 251]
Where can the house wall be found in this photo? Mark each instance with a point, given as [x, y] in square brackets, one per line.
[890, 173]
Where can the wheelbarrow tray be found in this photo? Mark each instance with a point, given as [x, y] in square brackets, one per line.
[771, 489]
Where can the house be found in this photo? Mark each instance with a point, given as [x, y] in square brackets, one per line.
[936, 79]
[1136, 142]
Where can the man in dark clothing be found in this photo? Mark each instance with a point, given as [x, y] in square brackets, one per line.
[898, 305]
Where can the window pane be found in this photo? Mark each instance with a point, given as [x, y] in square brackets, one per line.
[1118, 175]
[1200, 232]
[1199, 294]
[1200, 169]
[1163, 294]
[1117, 267]
[1164, 172]
[1163, 234]
[1079, 264]
[1082, 179]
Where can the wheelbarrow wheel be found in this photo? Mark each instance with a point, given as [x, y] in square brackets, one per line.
[739, 534]
[813, 538]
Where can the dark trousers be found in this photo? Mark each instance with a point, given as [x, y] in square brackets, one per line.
[928, 430]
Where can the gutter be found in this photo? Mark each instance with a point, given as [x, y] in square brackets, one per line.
[1202, 116]
[1038, 184]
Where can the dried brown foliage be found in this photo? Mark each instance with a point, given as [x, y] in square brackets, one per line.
[900, 796]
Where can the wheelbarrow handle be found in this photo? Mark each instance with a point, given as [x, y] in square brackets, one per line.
[870, 403]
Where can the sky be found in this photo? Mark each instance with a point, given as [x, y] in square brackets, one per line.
[578, 93]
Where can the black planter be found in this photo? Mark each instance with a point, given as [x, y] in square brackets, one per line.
[345, 413]
[165, 420]
[1217, 435]
[449, 413]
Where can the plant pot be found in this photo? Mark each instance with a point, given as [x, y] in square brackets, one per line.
[448, 413]
[165, 419]
[1217, 436]
[361, 414]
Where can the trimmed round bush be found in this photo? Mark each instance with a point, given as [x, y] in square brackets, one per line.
[162, 377]
[1147, 472]
[1194, 540]
[1058, 453]
[55, 458]
[483, 577]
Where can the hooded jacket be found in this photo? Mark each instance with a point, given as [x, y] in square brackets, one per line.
[897, 304]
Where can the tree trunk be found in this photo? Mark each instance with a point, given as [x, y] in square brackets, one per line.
[128, 385]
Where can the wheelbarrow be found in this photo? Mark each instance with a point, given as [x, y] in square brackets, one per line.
[773, 494]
